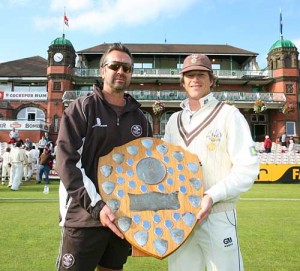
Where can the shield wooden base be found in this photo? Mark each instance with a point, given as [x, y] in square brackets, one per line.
[155, 190]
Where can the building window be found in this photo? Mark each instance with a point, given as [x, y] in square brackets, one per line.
[163, 121]
[261, 118]
[289, 89]
[30, 88]
[277, 66]
[56, 123]
[143, 65]
[253, 118]
[31, 116]
[179, 66]
[258, 118]
[216, 66]
[57, 86]
[290, 128]
[287, 62]
[147, 66]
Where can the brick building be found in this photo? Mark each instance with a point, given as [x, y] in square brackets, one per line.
[34, 91]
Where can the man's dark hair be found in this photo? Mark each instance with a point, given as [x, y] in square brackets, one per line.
[18, 144]
[115, 47]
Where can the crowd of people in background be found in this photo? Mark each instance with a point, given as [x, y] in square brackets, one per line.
[287, 143]
[22, 159]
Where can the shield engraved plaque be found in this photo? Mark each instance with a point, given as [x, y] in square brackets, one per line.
[155, 190]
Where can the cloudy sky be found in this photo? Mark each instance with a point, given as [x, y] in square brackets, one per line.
[29, 26]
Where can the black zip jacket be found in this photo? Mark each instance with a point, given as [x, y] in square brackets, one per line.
[89, 129]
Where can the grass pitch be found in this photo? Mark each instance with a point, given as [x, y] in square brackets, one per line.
[268, 217]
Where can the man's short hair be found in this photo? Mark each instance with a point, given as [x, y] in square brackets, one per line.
[115, 47]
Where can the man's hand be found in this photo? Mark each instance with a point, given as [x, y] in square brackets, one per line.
[107, 219]
[206, 205]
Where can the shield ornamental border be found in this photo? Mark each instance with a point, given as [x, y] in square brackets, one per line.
[155, 190]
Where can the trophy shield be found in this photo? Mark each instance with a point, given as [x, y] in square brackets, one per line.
[155, 190]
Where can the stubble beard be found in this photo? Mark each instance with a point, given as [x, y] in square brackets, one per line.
[120, 86]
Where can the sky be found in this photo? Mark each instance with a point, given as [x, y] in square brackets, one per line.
[28, 27]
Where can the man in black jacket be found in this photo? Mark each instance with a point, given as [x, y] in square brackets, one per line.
[90, 128]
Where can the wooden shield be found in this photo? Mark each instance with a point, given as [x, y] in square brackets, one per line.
[155, 190]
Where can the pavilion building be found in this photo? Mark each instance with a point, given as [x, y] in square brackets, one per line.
[34, 91]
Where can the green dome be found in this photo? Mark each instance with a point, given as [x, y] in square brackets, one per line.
[61, 41]
[282, 44]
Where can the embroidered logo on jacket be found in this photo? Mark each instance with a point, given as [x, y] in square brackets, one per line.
[68, 260]
[99, 124]
[136, 130]
[214, 137]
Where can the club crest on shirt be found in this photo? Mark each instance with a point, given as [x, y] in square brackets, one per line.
[68, 260]
[213, 138]
[136, 130]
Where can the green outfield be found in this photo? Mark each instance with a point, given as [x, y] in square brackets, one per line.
[269, 229]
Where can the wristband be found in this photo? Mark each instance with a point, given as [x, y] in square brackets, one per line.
[97, 209]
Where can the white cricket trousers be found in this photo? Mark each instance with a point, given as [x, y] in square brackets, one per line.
[16, 175]
[212, 245]
[5, 172]
[28, 171]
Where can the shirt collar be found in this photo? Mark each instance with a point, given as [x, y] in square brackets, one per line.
[203, 101]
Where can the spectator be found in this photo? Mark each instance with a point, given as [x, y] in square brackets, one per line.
[283, 140]
[28, 143]
[11, 141]
[291, 147]
[45, 164]
[49, 146]
[42, 144]
[47, 137]
[20, 140]
[18, 158]
[28, 168]
[35, 153]
[267, 144]
[13, 134]
[6, 165]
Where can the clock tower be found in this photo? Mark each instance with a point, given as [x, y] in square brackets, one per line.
[61, 61]
[283, 61]
[61, 53]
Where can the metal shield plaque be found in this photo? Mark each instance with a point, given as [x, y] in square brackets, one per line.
[155, 191]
